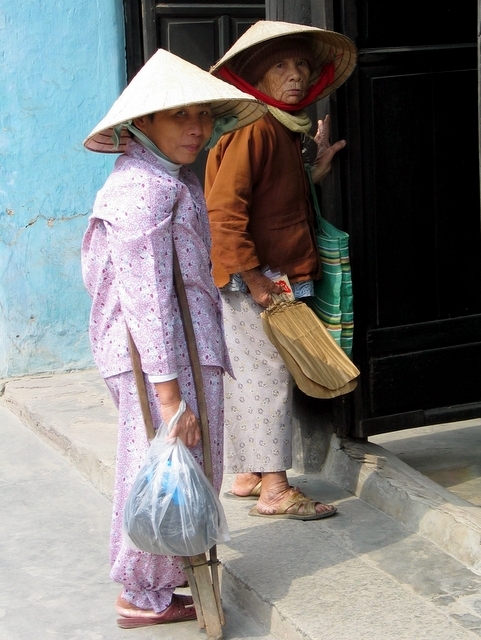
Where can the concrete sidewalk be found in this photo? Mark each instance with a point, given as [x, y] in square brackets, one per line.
[400, 560]
[54, 563]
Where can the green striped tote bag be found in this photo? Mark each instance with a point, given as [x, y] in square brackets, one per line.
[333, 297]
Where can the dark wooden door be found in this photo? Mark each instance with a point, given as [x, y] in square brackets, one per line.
[411, 203]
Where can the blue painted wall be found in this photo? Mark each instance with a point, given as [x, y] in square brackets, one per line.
[62, 65]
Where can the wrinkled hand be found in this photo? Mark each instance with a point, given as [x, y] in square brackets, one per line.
[260, 287]
[187, 428]
[325, 151]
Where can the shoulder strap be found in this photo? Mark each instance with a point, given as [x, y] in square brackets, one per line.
[313, 195]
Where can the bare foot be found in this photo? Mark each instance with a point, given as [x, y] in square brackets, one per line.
[245, 483]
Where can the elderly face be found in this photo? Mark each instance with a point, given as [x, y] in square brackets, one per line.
[179, 133]
[287, 80]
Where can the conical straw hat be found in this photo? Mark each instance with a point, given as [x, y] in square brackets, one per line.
[168, 82]
[327, 46]
[318, 365]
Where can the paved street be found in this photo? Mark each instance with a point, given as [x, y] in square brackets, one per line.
[54, 571]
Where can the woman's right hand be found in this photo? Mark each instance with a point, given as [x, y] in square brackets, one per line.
[187, 427]
[260, 287]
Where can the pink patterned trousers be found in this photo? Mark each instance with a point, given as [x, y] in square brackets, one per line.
[150, 580]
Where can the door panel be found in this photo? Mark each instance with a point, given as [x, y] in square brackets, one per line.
[398, 23]
[421, 186]
[202, 32]
[193, 40]
[197, 31]
[201, 42]
[421, 367]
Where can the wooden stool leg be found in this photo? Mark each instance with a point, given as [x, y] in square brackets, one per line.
[206, 597]
[195, 592]
[214, 566]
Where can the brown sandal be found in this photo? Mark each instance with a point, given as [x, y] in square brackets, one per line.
[180, 609]
[297, 499]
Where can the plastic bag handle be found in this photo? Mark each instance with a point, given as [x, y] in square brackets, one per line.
[175, 418]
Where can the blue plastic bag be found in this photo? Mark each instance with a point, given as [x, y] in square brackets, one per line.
[172, 508]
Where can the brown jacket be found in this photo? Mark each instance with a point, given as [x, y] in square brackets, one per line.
[257, 198]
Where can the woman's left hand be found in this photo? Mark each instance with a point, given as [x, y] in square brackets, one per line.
[325, 151]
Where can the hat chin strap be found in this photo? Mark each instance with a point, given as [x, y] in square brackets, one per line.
[325, 79]
[222, 124]
[147, 142]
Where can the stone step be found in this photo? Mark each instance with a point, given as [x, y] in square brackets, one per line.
[383, 567]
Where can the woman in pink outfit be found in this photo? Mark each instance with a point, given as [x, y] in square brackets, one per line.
[150, 203]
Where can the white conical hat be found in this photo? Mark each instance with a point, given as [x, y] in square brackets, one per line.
[167, 82]
[327, 46]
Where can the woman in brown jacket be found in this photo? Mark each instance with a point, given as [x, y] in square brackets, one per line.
[258, 202]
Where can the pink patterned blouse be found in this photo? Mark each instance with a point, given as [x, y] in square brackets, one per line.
[127, 268]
